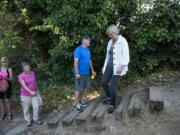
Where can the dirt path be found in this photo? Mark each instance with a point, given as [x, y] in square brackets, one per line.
[166, 122]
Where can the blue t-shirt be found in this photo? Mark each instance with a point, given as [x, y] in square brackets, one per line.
[84, 56]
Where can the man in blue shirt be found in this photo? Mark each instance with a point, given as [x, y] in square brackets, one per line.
[82, 66]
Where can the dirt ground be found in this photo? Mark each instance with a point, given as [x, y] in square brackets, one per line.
[166, 122]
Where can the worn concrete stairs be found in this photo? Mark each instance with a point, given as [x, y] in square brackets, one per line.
[132, 104]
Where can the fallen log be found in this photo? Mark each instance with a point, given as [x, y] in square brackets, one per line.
[124, 104]
[98, 113]
[137, 103]
[68, 120]
[125, 116]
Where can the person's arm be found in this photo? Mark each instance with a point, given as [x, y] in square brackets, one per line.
[76, 60]
[10, 74]
[125, 58]
[77, 55]
[23, 84]
[92, 68]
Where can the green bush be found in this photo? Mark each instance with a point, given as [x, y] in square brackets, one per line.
[46, 32]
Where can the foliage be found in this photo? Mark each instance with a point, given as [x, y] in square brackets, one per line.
[46, 32]
[155, 38]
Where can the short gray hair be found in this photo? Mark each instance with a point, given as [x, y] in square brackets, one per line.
[23, 64]
[112, 29]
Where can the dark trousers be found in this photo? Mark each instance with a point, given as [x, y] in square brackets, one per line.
[109, 84]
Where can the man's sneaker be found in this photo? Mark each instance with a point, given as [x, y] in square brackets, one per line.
[38, 122]
[78, 107]
[29, 123]
[106, 101]
[110, 109]
[83, 104]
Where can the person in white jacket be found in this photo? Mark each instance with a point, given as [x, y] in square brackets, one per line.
[115, 65]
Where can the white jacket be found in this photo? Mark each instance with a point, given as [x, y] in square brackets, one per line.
[120, 56]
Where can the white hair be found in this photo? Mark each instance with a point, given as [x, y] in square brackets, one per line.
[23, 64]
[112, 29]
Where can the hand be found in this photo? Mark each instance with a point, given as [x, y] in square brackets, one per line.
[119, 70]
[93, 72]
[78, 76]
[33, 93]
[7, 79]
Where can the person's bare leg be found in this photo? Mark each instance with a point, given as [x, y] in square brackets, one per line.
[77, 96]
[82, 99]
[2, 108]
[8, 106]
[81, 95]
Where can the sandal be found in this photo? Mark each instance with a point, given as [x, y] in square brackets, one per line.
[9, 118]
[2, 117]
